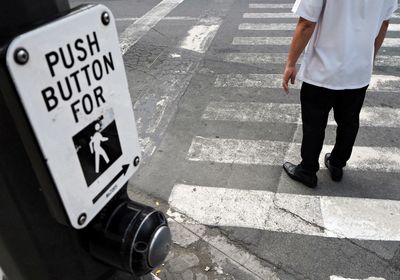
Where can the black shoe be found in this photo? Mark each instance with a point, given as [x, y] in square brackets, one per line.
[336, 172]
[296, 173]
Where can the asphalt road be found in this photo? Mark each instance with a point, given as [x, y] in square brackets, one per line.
[215, 128]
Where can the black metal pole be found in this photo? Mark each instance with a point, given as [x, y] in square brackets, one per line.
[20, 15]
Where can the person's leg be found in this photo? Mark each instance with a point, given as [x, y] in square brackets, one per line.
[347, 109]
[316, 102]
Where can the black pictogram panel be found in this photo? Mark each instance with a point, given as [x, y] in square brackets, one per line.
[98, 146]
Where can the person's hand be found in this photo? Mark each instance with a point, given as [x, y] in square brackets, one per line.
[289, 74]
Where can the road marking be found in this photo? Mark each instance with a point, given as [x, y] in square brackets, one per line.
[390, 60]
[394, 27]
[141, 26]
[380, 83]
[257, 58]
[280, 58]
[287, 26]
[267, 26]
[266, 152]
[200, 36]
[251, 80]
[291, 113]
[343, 217]
[256, 41]
[384, 83]
[334, 277]
[391, 43]
[270, 6]
[269, 15]
[165, 18]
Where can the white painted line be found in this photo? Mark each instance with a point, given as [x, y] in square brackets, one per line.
[257, 41]
[394, 27]
[287, 26]
[253, 112]
[200, 36]
[269, 15]
[126, 19]
[391, 43]
[291, 113]
[391, 60]
[280, 58]
[257, 58]
[265, 152]
[141, 26]
[165, 18]
[343, 217]
[334, 277]
[267, 26]
[381, 83]
[251, 80]
[384, 83]
[270, 6]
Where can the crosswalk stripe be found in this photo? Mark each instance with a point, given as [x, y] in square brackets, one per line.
[383, 83]
[280, 58]
[134, 32]
[270, 6]
[256, 58]
[165, 18]
[291, 113]
[391, 43]
[251, 80]
[266, 26]
[280, 15]
[343, 217]
[257, 41]
[200, 36]
[286, 26]
[334, 277]
[273, 153]
[394, 27]
[269, 15]
[387, 60]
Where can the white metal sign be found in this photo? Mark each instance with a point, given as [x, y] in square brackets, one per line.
[71, 81]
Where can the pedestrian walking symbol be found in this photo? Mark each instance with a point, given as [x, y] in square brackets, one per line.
[95, 147]
[98, 146]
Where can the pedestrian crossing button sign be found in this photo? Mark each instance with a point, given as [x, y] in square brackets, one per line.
[74, 91]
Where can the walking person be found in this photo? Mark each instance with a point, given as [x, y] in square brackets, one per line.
[341, 39]
[95, 147]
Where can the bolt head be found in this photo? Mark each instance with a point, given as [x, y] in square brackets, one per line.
[21, 56]
[82, 219]
[105, 18]
[136, 161]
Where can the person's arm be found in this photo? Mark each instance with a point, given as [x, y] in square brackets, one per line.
[301, 37]
[381, 36]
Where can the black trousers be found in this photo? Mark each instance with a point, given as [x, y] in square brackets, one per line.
[316, 103]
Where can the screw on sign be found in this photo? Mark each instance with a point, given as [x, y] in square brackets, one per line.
[21, 56]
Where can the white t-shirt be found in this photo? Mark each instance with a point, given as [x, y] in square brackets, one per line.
[341, 49]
